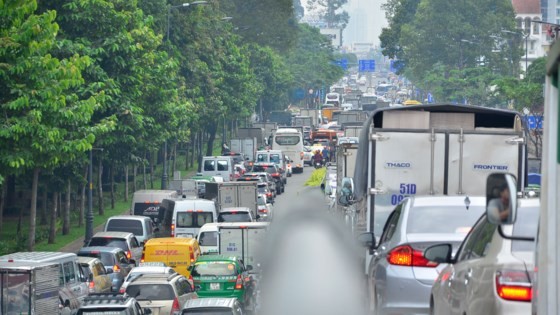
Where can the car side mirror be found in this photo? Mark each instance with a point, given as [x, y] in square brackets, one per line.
[501, 198]
[197, 288]
[367, 240]
[90, 277]
[110, 270]
[156, 230]
[132, 262]
[440, 253]
[147, 311]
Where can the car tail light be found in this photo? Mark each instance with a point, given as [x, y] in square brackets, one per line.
[514, 285]
[175, 308]
[172, 230]
[405, 255]
[91, 286]
[128, 254]
[263, 211]
[276, 174]
[192, 256]
[239, 283]
[116, 268]
[142, 258]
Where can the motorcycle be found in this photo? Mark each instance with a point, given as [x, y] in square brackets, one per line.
[318, 164]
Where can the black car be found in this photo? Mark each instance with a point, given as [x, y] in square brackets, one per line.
[274, 171]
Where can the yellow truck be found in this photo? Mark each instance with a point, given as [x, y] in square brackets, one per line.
[176, 252]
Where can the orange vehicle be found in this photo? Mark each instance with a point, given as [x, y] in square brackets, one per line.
[327, 112]
[324, 134]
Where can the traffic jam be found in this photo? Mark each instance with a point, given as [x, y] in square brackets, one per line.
[423, 209]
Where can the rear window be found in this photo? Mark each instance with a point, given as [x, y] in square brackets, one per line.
[208, 239]
[124, 225]
[106, 258]
[526, 225]
[109, 242]
[193, 219]
[105, 311]
[209, 311]
[450, 219]
[218, 268]
[275, 158]
[262, 168]
[234, 217]
[151, 292]
[209, 165]
[286, 140]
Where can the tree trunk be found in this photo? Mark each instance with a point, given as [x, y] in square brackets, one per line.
[144, 175]
[152, 170]
[52, 227]
[134, 179]
[187, 155]
[174, 156]
[2, 204]
[193, 149]
[44, 205]
[83, 200]
[126, 182]
[211, 138]
[199, 152]
[66, 222]
[59, 213]
[101, 206]
[113, 185]
[33, 211]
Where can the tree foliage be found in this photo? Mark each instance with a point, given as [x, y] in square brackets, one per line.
[330, 11]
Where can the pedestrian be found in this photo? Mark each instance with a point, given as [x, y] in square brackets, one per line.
[326, 153]
[66, 309]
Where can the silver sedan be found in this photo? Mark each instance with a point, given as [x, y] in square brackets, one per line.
[490, 274]
[400, 278]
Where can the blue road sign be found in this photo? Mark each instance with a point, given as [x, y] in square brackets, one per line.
[395, 65]
[343, 63]
[366, 65]
[534, 122]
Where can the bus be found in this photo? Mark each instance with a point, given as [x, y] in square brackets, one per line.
[290, 141]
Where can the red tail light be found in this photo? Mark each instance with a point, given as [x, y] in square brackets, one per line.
[175, 308]
[239, 283]
[514, 285]
[263, 211]
[116, 268]
[172, 230]
[276, 174]
[192, 256]
[121, 290]
[128, 254]
[91, 285]
[405, 255]
[142, 258]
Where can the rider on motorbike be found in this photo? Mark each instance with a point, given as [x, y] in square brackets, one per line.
[317, 157]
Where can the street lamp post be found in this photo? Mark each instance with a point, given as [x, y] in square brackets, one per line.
[164, 175]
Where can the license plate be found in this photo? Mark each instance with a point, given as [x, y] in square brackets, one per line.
[214, 286]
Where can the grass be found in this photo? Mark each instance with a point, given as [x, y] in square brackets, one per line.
[316, 177]
[9, 241]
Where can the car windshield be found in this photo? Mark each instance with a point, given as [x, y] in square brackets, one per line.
[526, 225]
[109, 242]
[193, 219]
[151, 292]
[124, 225]
[214, 268]
[275, 158]
[234, 217]
[443, 219]
[208, 239]
[287, 140]
[261, 189]
[106, 258]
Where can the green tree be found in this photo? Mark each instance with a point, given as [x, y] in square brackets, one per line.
[46, 124]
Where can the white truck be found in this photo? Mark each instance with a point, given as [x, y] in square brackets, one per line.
[545, 299]
[255, 132]
[29, 288]
[247, 146]
[268, 127]
[244, 240]
[431, 150]
[233, 194]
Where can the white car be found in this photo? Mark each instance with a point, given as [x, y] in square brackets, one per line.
[264, 208]
[307, 156]
[489, 274]
[144, 269]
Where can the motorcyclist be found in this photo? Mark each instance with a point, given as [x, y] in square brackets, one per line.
[317, 157]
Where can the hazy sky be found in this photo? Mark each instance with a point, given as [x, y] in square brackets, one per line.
[366, 21]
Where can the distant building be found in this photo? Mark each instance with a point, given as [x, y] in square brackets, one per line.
[527, 12]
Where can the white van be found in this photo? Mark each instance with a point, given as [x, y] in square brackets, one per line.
[275, 156]
[142, 227]
[223, 166]
[72, 281]
[185, 217]
[208, 238]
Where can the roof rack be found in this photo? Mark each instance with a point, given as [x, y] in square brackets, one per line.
[153, 275]
[98, 298]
